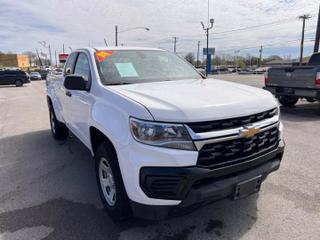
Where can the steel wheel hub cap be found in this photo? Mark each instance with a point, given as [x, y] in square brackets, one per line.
[107, 182]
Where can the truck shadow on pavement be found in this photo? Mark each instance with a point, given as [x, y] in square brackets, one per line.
[301, 112]
[56, 188]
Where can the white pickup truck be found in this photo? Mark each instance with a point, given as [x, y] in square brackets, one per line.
[164, 138]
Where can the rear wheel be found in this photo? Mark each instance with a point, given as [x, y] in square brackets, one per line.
[58, 129]
[110, 183]
[288, 101]
[18, 83]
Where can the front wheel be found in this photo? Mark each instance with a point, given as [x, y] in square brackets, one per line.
[288, 101]
[110, 183]
[58, 129]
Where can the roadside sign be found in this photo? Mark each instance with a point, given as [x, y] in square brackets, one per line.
[211, 51]
[63, 57]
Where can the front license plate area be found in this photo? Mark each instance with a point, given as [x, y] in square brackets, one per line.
[247, 187]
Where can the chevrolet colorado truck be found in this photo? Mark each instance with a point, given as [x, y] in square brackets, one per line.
[164, 139]
[289, 84]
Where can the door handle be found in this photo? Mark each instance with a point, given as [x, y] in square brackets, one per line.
[69, 94]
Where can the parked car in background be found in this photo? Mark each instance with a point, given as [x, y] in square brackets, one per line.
[35, 76]
[163, 137]
[13, 77]
[261, 70]
[244, 71]
[44, 73]
[289, 84]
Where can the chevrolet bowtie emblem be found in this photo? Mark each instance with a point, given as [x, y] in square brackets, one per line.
[249, 132]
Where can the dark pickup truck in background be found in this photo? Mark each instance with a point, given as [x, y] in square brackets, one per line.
[289, 84]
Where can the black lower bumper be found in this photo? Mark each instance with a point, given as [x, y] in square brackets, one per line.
[195, 186]
[297, 92]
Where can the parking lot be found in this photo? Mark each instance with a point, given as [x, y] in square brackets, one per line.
[48, 188]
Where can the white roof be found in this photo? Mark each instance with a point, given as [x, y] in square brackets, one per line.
[122, 48]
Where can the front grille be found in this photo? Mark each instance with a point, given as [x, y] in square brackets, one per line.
[229, 152]
[201, 127]
[162, 187]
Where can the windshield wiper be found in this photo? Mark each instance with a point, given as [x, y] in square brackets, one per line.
[121, 83]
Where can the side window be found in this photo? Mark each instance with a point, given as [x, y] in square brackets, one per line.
[82, 67]
[70, 63]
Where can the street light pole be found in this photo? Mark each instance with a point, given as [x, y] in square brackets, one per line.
[130, 29]
[206, 29]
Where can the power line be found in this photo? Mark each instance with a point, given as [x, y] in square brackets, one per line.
[234, 30]
[264, 45]
[255, 26]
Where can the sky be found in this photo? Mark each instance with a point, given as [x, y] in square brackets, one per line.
[80, 23]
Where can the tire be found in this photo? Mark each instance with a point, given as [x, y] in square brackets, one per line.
[18, 83]
[311, 100]
[288, 101]
[110, 183]
[58, 129]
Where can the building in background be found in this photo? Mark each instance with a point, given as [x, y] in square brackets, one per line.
[14, 60]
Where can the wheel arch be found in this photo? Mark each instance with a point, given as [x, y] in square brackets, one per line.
[49, 101]
[97, 137]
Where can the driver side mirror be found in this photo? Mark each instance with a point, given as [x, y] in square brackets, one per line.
[74, 82]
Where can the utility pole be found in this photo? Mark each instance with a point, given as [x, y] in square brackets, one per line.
[63, 48]
[236, 59]
[55, 54]
[44, 44]
[50, 55]
[116, 35]
[175, 45]
[198, 54]
[316, 43]
[260, 57]
[39, 57]
[303, 17]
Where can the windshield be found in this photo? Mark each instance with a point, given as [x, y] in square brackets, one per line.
[135, 66]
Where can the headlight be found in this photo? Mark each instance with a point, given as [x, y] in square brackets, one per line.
[161, 134]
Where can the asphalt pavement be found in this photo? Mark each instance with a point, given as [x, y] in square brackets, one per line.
[48, 188]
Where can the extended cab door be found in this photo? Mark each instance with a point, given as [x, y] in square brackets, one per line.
[62, 100]
[78, 103]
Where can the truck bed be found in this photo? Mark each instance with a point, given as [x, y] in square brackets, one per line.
[293, 77]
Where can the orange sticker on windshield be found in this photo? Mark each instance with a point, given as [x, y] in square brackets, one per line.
[102, 55]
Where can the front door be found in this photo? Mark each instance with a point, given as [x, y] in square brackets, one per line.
[79, 102]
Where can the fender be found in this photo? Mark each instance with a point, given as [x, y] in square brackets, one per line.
[113, 119]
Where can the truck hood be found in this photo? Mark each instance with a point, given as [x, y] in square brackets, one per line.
[198, 100]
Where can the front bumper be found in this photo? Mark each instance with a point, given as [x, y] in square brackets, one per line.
[195, 186]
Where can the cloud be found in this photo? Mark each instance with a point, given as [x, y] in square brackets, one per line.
[79, 23]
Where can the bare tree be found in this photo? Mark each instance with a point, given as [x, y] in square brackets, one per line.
[190, 58]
